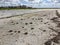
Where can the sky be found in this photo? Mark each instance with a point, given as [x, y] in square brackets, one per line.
[32, 3]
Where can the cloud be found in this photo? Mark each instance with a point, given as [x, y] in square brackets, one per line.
[33, 3]
[9, 2]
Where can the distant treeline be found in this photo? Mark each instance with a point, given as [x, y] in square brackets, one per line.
[16, 7]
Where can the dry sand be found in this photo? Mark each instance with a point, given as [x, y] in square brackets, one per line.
[38, 28]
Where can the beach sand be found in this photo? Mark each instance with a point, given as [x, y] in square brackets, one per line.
[31, 28]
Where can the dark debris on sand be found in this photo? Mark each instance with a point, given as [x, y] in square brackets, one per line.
[57, 37]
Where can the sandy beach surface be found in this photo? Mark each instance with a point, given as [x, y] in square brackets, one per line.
[30, 27]
[8, 13]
